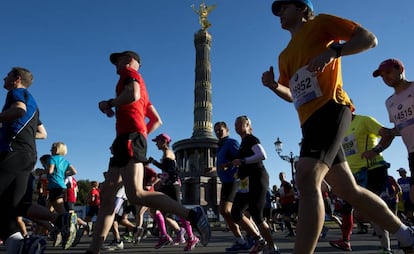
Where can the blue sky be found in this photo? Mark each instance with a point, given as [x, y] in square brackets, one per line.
[66, 44]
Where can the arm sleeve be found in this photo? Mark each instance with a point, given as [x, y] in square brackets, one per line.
[259, 154]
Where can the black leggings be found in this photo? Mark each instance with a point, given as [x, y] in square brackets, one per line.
[254, 200]
[15, 168]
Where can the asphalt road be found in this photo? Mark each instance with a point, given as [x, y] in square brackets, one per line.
[361, 243]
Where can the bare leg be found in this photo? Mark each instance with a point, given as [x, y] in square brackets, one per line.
[311, 215]
[115, 231]
[132, 177]
[126, 223]
[106, 213]
[363, 200]
[172, 223]
[266, 233]
[225, 210]
[22, 225]
[248, 226]
[140, 215]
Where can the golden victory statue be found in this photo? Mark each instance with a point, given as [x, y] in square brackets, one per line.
[202, 13]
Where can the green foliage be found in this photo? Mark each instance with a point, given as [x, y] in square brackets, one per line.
[84, 187]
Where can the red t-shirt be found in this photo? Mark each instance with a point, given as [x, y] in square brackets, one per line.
[286, 188]
[72, 189]
[95, 199]
[131, 117]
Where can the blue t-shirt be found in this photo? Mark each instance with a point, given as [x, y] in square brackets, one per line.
[226, 152]
[405, 187]
[57, 178]
[20, 134]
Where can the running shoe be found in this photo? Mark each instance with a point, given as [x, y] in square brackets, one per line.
[408, 249]
[202, 225]
[341, 244]
[236, 247]
[128, 237]
[33, 245]
[114, 245]
[191, 243]
[179, 237]
[259, 246]
[271, 250]
[57, 240]
[163, 241]
[79, 233]
[385, 251]
[68, 229]
[250, 241]
[138, 235]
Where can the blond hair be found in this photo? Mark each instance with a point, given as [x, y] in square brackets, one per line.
[59, 148]
[245, 119]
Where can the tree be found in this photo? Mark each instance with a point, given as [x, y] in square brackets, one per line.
[84, 187]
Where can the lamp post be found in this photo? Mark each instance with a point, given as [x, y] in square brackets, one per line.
[291, 158]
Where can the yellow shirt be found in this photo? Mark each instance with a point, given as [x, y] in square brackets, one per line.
[362, 135]
[310, 41]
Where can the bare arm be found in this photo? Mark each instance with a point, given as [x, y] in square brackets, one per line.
[41, 132]
[386, 137]
[51, 169]
[156, 163]
[384, 143]
[361, 40]
[129, 94]
[154, 119]
[17, 110]
[71, 170]
[268, 80]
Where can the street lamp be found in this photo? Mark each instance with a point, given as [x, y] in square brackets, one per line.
[291, 158]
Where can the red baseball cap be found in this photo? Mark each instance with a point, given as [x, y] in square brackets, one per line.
[162, 136]
[388, 64]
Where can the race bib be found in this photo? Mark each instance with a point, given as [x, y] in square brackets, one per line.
[244, 185]
[304, 87]
[350, 145]
[404, 115]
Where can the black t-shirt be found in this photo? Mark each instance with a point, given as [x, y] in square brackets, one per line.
[246, 151]
[169, 171]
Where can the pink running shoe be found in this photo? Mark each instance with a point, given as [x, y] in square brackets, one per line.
[191, 243]
[163, 241]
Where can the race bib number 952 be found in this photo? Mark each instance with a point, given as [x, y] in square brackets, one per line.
[304, 87]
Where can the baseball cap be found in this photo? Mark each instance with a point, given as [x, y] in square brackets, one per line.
[162, 136]
[387, 64]
[276, 4]
[114, 56]
[401, 170]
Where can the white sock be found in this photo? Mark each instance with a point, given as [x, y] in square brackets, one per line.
[404, 236]
[13, 243]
